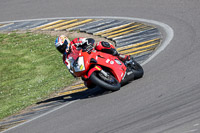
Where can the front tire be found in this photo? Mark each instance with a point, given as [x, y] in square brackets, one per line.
[108, 83]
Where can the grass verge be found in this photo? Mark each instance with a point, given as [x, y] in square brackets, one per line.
[30, 69]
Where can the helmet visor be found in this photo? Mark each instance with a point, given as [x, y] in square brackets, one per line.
[62, 48]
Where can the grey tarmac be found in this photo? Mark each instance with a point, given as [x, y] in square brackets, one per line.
[165, 100]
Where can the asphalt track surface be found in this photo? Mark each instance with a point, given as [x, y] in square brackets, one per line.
[165, 100]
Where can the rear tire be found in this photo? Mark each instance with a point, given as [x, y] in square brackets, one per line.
[137, 70]
[112, 85]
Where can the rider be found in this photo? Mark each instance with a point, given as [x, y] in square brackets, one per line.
[64, 46]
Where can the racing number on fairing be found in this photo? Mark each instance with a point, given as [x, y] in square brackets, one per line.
[111, 62]
[108, 60]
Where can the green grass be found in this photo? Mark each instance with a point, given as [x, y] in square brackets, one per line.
[31, 68]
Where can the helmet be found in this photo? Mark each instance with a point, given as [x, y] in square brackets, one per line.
[62, 43]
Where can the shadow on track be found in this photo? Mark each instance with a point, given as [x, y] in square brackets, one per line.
[89, 93]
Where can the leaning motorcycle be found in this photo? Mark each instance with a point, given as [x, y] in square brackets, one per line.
[97, 68]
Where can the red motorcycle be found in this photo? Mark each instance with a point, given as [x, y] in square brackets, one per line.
[97, 68]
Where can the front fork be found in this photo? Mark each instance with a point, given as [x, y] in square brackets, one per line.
[96, 68]
[86, 77]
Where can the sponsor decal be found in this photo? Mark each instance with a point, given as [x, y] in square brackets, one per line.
[111, 62]
[108, 60]
[128, 73]
[124, 76]
[81, 67]
[98, 68]
[118, 62]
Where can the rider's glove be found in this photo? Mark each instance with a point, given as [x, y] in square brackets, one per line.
[72, 73]
[84, 41]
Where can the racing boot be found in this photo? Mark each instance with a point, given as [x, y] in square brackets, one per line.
[124, 58]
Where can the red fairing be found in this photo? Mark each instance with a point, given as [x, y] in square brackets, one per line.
[87, 63]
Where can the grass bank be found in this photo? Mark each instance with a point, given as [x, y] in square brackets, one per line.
[30, 69]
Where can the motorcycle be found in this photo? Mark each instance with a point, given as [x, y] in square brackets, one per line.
[101, 69]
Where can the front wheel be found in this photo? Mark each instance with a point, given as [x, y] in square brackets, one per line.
[108, 82]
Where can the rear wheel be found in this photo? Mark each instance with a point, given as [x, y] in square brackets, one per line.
[134, 71]
[137, 70]
[108, 82]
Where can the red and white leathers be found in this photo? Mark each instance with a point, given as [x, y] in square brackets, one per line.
[100, 46]
[73, 45]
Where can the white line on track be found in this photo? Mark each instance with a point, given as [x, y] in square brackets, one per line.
[40, 115]
[168, 37]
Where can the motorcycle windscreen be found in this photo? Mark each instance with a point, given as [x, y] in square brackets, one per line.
[79, 65]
